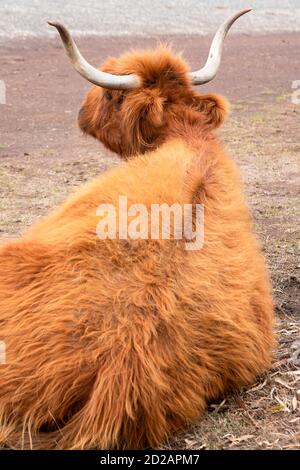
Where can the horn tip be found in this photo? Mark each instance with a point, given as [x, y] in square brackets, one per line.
[242, 12]
[52, 23]
[56, 24]
[65, 36]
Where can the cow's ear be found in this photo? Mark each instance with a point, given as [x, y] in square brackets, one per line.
[144, 106]
[143, 115]
[214, 108]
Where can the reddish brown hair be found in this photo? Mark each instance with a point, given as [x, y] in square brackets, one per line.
[120, 343]
[136, 121]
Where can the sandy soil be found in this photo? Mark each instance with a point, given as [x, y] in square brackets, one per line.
[43, 157]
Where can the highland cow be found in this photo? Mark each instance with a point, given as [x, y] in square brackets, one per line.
[120, 343]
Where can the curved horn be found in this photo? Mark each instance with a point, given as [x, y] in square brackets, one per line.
[93, 75]
[210, 69]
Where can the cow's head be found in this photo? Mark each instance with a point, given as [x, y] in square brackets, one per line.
[139, 98]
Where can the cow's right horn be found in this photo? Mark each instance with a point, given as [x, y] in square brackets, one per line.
[210, 69]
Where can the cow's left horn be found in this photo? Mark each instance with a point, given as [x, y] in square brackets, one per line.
[210, 69]
[93, 75]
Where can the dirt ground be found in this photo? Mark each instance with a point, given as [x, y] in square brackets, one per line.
[43, 158]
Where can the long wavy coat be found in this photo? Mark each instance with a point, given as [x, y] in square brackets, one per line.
[120, 343]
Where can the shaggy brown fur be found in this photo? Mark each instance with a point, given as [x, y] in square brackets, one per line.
[119, 343]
